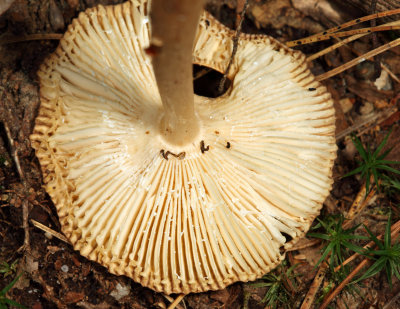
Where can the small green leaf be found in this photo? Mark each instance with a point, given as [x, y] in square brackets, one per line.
[383, 143]
[373, 163]
[4, 291]
[13, 303]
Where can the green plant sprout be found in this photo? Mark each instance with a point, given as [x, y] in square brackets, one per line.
[4, 301]
[386, 256]
[278, 294]
[390, 185]
[372, 163]
[8, 269]
[337, 240]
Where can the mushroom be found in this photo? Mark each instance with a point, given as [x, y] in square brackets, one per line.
[184, 197]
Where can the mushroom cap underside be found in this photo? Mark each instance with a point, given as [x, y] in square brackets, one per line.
[223, 211]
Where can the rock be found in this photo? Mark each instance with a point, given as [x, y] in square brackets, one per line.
[120, 291]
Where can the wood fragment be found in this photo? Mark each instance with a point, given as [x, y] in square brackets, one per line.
[234, 49]
[359, 204]
[25, 215]
[50, 231]
[171, 300]
[344, 26]
[365, 6]
[367, 122]
[392, 75]
[343, 34]
[358, 60]
[335, 46]
[312, 292]
[303, 244]
[177, 300]
[14, 152]
[25, 204]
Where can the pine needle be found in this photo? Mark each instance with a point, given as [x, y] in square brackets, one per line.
[358, 60]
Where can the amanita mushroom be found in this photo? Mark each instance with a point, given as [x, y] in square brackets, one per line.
[187, 202]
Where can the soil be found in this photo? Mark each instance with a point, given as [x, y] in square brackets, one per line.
[56, 276]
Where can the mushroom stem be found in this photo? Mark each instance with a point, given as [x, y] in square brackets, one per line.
[174, 25]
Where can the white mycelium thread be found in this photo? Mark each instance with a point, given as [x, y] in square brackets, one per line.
[192, 224]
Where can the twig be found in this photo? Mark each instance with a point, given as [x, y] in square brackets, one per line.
[341, 286]
[176, 301]
[235, 47]
[14, 153]
[347, 33]
[50, 231]
[312, 292]
[343, 26]
[359, 204]
[374, 119]
[392, 75]
[201, 73]
[303, 245]
[335, 46]
[171, 300]
[25, 215]
[25, 204]
[348, 40]
[344, 42]
[358, 60]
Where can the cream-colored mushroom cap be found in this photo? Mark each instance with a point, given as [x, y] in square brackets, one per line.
[218, 211]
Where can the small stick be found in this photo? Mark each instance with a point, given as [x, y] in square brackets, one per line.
[341, 286]
[359, 204]
[312, 292]
[176, 301]
[201, 73]
[46, 229]
[14, 153]
[343, 34]
[348, 40]
[392, 75]
[309, 243]
[358, 60]
[373, 120]
[25, 215]
[334, 46]
[31, 37]
[235, 46]
[25, 204]
[171, 300]
[346, 25]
